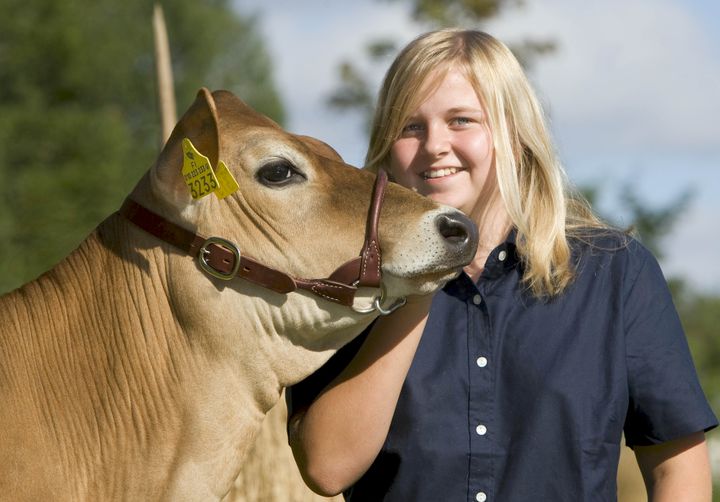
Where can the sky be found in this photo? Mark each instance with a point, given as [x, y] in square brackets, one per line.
[632, 93]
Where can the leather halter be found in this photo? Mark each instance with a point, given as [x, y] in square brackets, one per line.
[221, 258]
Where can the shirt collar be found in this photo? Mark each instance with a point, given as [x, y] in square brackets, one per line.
[501, 260]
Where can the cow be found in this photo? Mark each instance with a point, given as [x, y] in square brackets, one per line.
[141, 366]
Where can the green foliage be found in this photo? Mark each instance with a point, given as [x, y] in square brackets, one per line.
[457, 12]
[353, 93]
[78, 109]
[700, 314]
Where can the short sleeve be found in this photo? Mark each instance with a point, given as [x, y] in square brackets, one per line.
[303, 393]
[666, 400]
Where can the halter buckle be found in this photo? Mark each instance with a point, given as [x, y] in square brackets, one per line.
[205, 252]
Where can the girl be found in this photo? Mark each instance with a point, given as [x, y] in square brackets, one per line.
[560, 335]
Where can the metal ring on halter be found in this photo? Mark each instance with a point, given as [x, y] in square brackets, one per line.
[365, 310]
[204, 252]
[377, 305]
[392, 308]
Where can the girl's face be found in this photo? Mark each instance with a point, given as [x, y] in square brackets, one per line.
[445, 150]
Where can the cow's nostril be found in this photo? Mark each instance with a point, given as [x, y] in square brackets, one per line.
[457, 229]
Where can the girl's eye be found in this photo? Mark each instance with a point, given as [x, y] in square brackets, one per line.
[460, 121]
[278, 173]
[410, 129]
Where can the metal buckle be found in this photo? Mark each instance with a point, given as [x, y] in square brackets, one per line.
[204, 252]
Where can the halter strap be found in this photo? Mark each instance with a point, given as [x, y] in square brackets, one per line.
[221, 258]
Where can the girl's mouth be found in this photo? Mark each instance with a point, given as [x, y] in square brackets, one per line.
[439, 173]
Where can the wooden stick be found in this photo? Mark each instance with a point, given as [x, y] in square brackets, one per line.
[163, 70]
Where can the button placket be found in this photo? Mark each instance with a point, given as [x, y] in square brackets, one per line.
[482, 362]
[481, 405]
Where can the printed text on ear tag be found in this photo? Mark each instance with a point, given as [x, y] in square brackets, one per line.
[228, 184]
[197, 172]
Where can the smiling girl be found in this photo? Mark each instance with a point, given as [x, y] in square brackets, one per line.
[516, 381]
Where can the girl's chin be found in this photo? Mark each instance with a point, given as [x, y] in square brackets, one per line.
[447, 200]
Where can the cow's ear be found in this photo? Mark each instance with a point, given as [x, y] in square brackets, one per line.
[199, 124]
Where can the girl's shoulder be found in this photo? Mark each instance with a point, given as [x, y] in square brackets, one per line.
[610, 249]
[604, 241]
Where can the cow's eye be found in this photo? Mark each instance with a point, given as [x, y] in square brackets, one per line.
[279, 173]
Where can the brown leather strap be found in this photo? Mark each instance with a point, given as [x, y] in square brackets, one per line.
[343, 294]
[161, 228]
[218, 257]
[371, 261]
[340, 287]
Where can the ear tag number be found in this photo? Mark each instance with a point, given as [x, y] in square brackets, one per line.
[200, 177]
[228, 184]
[197, 172]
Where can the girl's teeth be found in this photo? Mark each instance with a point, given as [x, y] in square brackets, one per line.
[439, 173]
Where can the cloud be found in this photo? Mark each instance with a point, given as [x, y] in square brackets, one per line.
[628, 74]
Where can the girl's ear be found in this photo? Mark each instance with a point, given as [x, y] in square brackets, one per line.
[199, 124]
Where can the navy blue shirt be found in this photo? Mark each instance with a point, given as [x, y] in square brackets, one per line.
[513, 398]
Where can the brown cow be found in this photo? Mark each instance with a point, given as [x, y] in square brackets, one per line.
[133, 371]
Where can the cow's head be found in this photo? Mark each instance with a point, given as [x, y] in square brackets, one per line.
[301, 210]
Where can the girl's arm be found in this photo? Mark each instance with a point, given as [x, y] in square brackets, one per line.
[336, 438]
[677, 470]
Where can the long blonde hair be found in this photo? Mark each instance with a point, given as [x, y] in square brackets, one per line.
[532, 183]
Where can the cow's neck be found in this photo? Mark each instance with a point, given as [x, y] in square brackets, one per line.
[125, 395]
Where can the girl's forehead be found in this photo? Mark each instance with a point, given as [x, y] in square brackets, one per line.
[434, 79]
[452, 82]
[425, 86]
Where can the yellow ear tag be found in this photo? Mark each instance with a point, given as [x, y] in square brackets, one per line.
[228, 184]
[197, 172]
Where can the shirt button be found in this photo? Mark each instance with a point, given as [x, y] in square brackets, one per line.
[481, 430]
[481, 497]
[482, 361]
[477, 299]
[502, 255]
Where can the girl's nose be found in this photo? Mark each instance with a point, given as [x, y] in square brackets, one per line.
[437, 140]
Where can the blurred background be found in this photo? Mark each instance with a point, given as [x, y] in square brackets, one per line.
[631, 87]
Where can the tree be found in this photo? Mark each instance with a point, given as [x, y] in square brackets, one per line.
[701, 317]
[79, 117]
[649, 224]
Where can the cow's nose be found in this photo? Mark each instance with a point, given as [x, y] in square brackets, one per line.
[457, 229]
